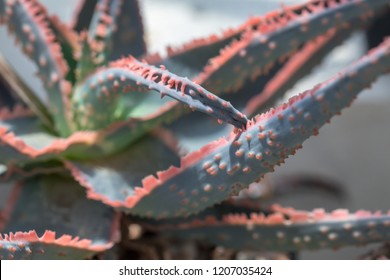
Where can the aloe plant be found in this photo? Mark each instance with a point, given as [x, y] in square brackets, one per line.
[101, 166]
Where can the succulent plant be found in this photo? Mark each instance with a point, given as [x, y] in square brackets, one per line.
[101, 163]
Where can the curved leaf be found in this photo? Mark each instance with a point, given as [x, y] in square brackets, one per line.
[191, 58]
[226, 166]
[284, 230]
[29, 21]
[24, 141]
[28, 245]
[101, 31]
[279, 40]
[13, 83]
[68, 41]
[115, 178]
[57, 203]
[298, 66]
[95, 101]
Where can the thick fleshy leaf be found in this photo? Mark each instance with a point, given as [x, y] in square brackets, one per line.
[271, 87]
[101, 31]
[298, 66]
[29, 246]
[280, 39]
[115, 178]
[85, 64]
[95, 100]
[57, 203]
[278, 81]
[68, 41]
[224, 167]
[110, 35]
[12, 83]
[21, 136]
[272, 84]
[191, 58]
[285, 229]
[28, 20]
[24, 141]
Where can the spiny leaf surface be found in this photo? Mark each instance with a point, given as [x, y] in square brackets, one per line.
[223, 168]
[28, 20]
[285, 229]
[95, 101]
[114, 178]
[30, 246]
[258, 50]
[57, 203]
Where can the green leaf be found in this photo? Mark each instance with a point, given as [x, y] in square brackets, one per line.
[283, 230]
[224, 167]
[57, 203]
[29, 246]
[114, 179]
[258, 50]
[13, 83]
[96, 99]
[29, 21]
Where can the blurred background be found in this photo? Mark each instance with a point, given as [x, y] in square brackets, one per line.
[353, 151]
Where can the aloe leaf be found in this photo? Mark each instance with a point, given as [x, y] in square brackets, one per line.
[53, 203]
[283, 230]
[30, 246]
[276, 83]
[115, 178]
[131, 75]
[271, 87]
[28, 20]
[279, 39]
[191, 57]
[128, 36]
[68, 41]
[110, 34]
[101, 31]
[83, 14]
[21, 136]
[24, 141]
[226, 166]
[297, 67]
[85, 64]
[13, 83]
